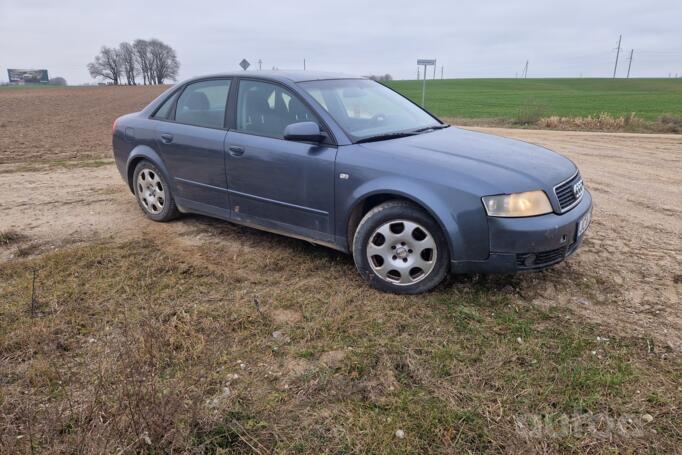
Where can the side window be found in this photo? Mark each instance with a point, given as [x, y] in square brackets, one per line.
[203, 103]
[266, 109]
[164, 111]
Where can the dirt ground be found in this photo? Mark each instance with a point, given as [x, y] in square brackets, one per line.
[627, 277]
[69, 123]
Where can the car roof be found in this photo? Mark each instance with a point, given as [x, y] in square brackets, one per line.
[283, 75]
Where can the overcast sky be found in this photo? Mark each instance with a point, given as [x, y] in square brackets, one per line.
[469, 38]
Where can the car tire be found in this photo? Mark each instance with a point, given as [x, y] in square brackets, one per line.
[399, 248]
[153, 193]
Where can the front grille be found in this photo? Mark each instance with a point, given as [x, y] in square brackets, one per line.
[566, 194]
[531, 260]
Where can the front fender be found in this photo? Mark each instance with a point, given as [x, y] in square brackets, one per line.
[144, 152]
[460, 215]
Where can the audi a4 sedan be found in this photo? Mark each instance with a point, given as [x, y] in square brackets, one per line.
[348, 163]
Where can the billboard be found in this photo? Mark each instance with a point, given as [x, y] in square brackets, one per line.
[27, 76]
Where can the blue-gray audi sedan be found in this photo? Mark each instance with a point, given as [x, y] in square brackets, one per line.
[348, 163]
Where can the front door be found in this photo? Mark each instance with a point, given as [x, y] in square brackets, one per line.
[192, 145]
[275, 183]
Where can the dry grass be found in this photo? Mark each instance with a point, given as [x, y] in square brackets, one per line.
[276, 346]
[534, 117]
[606, 122]
[10, 237]
[673, 123]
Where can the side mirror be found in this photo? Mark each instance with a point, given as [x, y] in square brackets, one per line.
[304, 131]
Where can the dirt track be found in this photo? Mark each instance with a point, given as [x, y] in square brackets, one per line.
[627, 277]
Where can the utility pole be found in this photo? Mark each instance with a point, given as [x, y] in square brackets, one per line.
[630, 62]
[441, 72]
[260, 64]
[615, 66]
[525, 71]
[303, 64]
[417, 73]
[434, 71]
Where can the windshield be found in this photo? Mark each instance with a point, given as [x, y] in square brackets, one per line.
[366, 109]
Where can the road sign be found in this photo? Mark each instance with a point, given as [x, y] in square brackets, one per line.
[426, 62]
[244, 64]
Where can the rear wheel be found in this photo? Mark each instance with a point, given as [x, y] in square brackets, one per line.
[399, 248]
[153, 192]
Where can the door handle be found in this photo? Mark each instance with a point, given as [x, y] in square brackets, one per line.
[236, 150]
[166, 138]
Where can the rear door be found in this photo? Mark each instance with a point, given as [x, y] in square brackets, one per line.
[280, 184]
[192, 145]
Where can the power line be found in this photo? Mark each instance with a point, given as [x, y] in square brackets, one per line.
[615, 66]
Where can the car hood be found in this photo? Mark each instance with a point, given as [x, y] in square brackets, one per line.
[505, 165]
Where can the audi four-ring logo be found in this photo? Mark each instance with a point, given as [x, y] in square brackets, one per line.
[578, 189]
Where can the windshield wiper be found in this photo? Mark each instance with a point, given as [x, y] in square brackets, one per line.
[384, 137]
[431, 128]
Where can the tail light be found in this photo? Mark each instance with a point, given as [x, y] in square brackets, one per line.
[113, 127]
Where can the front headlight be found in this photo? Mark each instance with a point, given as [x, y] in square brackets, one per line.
[530, 203]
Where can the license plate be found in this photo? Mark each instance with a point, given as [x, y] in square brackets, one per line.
[584, 223]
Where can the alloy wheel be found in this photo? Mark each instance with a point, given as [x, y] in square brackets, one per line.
[402, 252]
[150, 190]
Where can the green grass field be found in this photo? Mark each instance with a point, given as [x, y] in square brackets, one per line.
[27, 86]
[509, 99]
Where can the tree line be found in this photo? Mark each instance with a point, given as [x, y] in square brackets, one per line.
[152, 60]
[381, 77]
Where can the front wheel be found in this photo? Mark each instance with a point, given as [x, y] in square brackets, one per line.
[399, 248]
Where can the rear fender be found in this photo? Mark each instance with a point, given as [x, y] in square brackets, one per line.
[144, 152]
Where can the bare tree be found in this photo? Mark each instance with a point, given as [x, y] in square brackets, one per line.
[156, 61]
[127, 55]
[164, 63]
[58, 81]
[142, 59]
[381, 77]
[107, 65]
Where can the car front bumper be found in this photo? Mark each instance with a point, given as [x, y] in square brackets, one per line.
[534, 243]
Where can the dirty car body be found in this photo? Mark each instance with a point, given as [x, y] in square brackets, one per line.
[311, 155]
